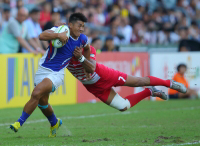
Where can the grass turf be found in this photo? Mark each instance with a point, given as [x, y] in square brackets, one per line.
[148, 123]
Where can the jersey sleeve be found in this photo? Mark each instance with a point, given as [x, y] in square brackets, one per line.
[84, 40]
[92, 53]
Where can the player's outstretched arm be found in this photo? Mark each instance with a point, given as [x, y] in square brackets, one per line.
[88, 64]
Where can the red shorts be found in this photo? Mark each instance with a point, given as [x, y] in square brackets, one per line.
[108, 78]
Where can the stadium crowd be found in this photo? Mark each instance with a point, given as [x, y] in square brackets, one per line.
[111, 23]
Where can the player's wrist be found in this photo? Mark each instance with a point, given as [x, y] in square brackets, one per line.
[81, 59]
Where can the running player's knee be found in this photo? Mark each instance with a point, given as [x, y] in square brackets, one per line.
[43, 101]
[120, 103]
[36, 94]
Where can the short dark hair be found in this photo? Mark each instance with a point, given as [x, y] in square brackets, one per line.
[35, 10]
[95, 39]
[77, 16]
[181, 65]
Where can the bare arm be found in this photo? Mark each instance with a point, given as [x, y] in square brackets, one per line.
[88, 64]
[24, 44]
[48, 35]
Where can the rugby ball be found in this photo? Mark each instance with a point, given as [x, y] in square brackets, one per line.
[57, 43]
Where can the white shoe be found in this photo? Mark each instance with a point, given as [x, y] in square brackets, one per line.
[178, 87]
[157, 93]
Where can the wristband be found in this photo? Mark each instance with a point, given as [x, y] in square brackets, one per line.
[81, 59]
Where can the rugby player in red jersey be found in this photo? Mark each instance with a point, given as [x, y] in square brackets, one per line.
[100, 82]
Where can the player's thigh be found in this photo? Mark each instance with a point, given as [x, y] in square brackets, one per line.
[111, 96]
[117, 78]
[132, 81]
[43, 88]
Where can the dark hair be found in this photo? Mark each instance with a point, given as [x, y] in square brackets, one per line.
[35, 10]
[95, 39]
[181, 65]
[77, 16]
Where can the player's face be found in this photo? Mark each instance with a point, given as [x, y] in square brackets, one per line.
[77, 28]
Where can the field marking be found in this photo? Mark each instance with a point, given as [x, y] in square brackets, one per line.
[103, 115]
[189, 143]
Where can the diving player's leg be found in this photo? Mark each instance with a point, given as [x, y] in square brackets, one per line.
[43, 88]
[122, 104]
[47, 110]
[132, 81]
[115, 100]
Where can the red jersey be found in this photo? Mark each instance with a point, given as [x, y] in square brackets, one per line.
[101, 81]
[77, 70]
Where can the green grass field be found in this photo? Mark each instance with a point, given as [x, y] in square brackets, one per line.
[168, 123]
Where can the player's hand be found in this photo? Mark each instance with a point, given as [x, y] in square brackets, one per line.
[34, 52]
[78, 52]
[40, 50]
[88, 76]
[59, 24]
[63, 38]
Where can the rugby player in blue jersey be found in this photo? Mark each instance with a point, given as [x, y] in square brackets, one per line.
[50, 73]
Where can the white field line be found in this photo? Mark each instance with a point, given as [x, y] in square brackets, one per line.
[104, 115]
[189, 143]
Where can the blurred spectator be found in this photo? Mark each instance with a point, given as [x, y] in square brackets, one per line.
[109, 45]
[150, 36]
[5, 18]
[115, 21]
[99, 16]
[56, 6]
[138, 32]
[97, 44]
[45, 15]
[129, 21]
[34, 30]
[179, 77]
[189, 45]
[14, 34]
[55, 17]
[20, 3]
[116, 37]
[67, 15]
[126, 30]
[194, 31]
[183, 33]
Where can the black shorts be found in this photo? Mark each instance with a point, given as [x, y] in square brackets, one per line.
[174, 96]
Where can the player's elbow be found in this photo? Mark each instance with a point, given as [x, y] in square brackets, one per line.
[91, 70]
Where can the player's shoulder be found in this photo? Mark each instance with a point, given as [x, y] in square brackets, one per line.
[83, 36]
[84, 39]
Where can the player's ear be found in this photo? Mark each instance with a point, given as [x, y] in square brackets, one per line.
[70, 25]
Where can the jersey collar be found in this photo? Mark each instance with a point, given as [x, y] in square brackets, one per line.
[74, 39]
